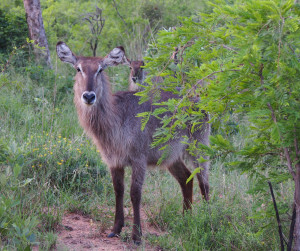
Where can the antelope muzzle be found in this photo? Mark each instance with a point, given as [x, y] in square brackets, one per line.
[88, 98]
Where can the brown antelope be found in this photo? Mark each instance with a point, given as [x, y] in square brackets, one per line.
[138, 75]
[112, 123]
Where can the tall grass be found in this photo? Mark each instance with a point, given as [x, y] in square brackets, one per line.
[232, 220]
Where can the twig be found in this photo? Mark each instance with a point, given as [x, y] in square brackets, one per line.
[54, 98]
[277, 217]
[293, 51]
[291, 234]
[296, 144]
[96, 23]
[225, 47]
[116, 8]
[280, 41]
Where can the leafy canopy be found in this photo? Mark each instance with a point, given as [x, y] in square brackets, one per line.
[242, 60]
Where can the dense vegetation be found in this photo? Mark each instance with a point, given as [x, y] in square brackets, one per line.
[248, 59]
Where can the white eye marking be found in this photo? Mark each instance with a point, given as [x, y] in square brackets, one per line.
[80, 69]
[98, 70]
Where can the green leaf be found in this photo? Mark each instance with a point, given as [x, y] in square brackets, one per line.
[275, 134]
[145, 118]
[17, 170]
[197, 170]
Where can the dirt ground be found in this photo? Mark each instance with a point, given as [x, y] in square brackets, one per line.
[79, 233]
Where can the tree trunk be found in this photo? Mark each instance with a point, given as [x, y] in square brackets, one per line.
[37, 31]
[296, 245]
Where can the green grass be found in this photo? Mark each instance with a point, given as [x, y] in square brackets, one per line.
[225, 223]
[48, 167]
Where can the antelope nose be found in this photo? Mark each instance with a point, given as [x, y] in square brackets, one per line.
[89, 98]
[134, 79]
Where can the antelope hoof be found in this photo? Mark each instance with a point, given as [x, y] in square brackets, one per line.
[137, 242]
[112, 234]
[136, 239]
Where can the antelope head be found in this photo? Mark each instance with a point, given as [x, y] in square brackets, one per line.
[136, 71]
[90, 80]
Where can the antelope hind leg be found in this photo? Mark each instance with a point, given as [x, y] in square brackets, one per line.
[181, 174]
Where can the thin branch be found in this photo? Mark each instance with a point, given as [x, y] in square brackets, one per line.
[225, 46]
[293, 51]
[277, 217]
[96, 23]
[280, 42]
[289, 162]
[292, 227]
[116, 8]
[228, 48]
[266, 24]
[296, 145]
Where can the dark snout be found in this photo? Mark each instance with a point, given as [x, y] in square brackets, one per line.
[88, 98]
[134, 79]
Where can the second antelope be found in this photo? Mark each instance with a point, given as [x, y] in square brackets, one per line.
[138, 75]
[112, 123]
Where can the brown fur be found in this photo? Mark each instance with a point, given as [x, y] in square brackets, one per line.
[112, 123]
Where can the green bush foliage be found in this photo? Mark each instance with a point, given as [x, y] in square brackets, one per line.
[13, 30]
[242, 60]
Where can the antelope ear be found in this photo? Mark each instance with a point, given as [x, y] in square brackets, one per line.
[65, 54]
[116, 57]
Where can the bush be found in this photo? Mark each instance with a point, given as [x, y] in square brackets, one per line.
[13, 33]
[17, 226]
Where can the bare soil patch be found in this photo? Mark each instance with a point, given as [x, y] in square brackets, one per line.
[79, 232]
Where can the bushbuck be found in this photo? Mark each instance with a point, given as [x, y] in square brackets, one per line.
[112, 123]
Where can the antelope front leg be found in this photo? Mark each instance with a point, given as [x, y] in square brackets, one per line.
[137, 180]
[117, 175]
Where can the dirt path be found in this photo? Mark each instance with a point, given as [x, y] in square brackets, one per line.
[79, 233]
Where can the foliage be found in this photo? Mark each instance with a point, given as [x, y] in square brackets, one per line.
[13, 33]
[126, 23]
[242, 60]
[71, 171]
[13, 29]
[16, 229]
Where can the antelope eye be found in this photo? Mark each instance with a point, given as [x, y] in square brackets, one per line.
[78, 69]
[100, 69]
